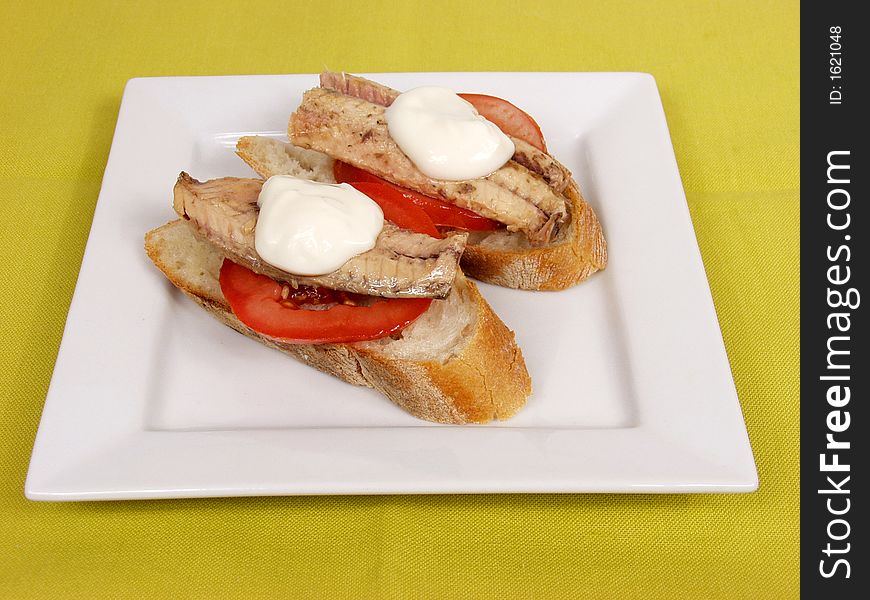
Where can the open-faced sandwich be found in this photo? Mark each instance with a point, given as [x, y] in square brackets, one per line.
[350, 281]
[346, 255]
[528, 225]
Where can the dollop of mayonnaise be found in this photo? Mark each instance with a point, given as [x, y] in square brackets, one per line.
[444, 136]
[309, 228]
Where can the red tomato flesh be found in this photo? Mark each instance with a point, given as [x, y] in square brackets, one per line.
[262, 304]
[257, 301]
[397, 209]
[443, 214]
[510, 119]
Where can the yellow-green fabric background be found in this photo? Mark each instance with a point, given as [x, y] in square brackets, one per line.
[728, 72]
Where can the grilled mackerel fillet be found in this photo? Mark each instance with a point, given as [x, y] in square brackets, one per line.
[537, 161]
[353, 129]
[403, 264]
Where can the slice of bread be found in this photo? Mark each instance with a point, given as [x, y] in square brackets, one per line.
[458, 363]
[501, 257]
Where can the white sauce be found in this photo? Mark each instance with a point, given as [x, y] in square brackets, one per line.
[309, 228]
[444, 136]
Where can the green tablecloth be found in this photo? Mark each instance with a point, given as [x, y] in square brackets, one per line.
[728, 75]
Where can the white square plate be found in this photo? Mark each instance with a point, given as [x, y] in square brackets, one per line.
[151, 398]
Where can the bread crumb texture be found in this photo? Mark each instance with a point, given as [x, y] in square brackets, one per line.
[458, 363]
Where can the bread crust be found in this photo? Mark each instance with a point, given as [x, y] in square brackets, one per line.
[484, 379]
[564, 262]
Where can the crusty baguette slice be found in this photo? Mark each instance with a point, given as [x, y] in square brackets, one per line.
[502, 257]
[458, 363]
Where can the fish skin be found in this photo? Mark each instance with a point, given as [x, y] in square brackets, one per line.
[359, 87]
[537, 161]
[355, 131]
[403, 264]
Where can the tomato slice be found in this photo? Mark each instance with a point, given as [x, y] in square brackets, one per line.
[256, 300]
[442, 213]
[397, 209]
[510, 119]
